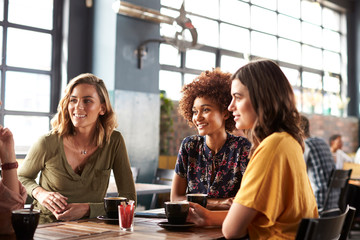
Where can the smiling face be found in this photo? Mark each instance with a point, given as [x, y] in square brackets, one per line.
[84, 106]
[241, 107]
[207, 117]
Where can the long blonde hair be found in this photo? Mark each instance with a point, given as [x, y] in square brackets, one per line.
[105, 125]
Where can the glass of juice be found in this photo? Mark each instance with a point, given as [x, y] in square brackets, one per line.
[126, 215]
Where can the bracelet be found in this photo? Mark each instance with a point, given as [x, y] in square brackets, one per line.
[9, 166]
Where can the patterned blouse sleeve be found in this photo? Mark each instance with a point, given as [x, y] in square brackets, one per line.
[182, 158]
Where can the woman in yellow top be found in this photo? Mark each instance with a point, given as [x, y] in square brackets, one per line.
[75, 159]
[275, 193]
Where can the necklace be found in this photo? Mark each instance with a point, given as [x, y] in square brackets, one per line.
[84, 150]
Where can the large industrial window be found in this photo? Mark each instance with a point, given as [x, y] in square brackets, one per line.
[306, 39]
[30, 53]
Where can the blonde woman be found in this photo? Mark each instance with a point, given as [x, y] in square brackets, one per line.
[75, 159]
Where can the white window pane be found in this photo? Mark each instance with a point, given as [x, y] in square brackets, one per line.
[331, 19]
[188, 78]
[234, 38]
[312, 34]
[209, 8]
[343, 24]
[200, 60]
[26, 130]
[169, 55]
[331, 40]
[167, 29]
[1, 40]
[293, 75]
[271, 4]
[1, 10]
[172, 3]
[170, 82]
[332, 62]
[311, 57]
[331, 84]
[289, 51]
[263, 45]
[289, 27]
[236, 12]
[263, 20]
[205, 35]
[298, 100]
[33, 95]
[312, 101]
[231, 64]
[327, 104]
[29, 49]
[311, 12]
[34, 13]
[334, 103]
[289, 7]
[311, 80]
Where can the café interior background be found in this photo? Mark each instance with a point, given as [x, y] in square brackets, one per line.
[45, 43]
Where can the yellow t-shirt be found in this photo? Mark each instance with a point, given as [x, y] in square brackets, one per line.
[277, 186]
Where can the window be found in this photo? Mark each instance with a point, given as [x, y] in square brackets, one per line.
[307, 40]
[29, 89]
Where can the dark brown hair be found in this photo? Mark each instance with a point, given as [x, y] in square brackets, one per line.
[214, 85]
[305, 126]
[273, 100]
[333, 138]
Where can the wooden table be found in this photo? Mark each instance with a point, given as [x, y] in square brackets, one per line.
[144, 228]
[143, 188]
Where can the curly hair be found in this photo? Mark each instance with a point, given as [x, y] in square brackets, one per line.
[273, 100]
[61, 122]
[214, 85]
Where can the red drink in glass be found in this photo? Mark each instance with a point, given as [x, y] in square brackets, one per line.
[126, 215]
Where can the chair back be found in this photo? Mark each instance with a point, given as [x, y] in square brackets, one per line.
[164, 176]
[327, 227]
[339, 179]
[135, 172]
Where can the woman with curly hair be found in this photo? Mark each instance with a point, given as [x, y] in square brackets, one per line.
[275, 192]
[75, 159]
[214, 161]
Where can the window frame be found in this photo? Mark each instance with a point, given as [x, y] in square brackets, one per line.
[54, 73]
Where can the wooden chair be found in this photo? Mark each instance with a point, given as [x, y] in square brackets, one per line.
[327, 227]
[338, 180]
[164, 177]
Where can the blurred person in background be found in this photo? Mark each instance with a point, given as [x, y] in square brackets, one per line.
[339, 156]
[320, 164]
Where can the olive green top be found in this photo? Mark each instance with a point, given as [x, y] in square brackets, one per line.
[48, 157]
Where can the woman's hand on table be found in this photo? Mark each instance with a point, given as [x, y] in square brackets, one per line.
[73, 211]
[53, 201]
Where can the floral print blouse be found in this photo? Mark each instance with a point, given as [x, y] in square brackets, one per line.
[195, 163]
